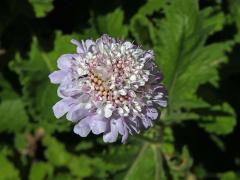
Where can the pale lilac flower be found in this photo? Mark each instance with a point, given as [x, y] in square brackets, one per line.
[109, 86]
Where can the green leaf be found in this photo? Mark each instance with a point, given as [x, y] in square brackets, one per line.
[42, 7]
[234, 7]
[141, 25]
[229, 175]
[142, 30]
[144, 162]
[40, 170]
[55, 153]
[39, 94]
[187, 62]
[7, 169]
[220, 120]
[149, 160]
[80, 166]
[6, 91]
[111, 24]
[13, 117]
[182, 54]
[151, 6]
[213, 18]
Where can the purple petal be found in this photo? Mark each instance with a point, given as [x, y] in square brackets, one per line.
[148, 55]
[82, 128]
[98, 124]
[64, 61]
[161, 102]
[76, 113]
[152, 113]
[68, 92]
[120, 126]
[79, 45]
[146, 121]
[57, 76]
[113, 134]
[107, 39]
[125, 135]
[60, 108]
[89, 43]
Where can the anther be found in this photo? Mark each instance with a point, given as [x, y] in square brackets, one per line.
[105, 93]
[99, 82]
[95, 79]
[101, 88]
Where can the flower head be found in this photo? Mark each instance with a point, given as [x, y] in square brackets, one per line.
[109, 86]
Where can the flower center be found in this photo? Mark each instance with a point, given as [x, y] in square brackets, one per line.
[102, 85]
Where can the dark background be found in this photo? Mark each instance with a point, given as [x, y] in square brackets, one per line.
[18, 24]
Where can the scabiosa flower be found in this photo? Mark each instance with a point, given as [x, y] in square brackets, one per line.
[109, 86]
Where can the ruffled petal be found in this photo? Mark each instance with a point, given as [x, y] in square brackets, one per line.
[98, 124]
[60, 108]
[152, 113]
[80, 48]
[125, 134]
[112, 135]
[64, 61]
[68, 92]
[82, 128]
[108, 109]
[57, 76]
[89, 43]
[77, 113]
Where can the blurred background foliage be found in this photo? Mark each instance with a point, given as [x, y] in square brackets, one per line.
[196, 44]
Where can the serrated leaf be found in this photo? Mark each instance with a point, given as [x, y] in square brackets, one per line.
[151, 6]
[141, 25]
[184, 58]
[80, 166]
[13, 116]
[55, 153]
[6, 91]
[112, 24]
[40, 170]
[234, 7]
[142, 30]
[221, 119]
[39, 94]
[7, 169]
[42, 7]
[213, 18]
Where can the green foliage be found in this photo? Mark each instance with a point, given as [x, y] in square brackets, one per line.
[235, 13]
[10, 106]
[7, 170]
[39, 95]
[188, 50]
[187, 62]
[230, 175]
[111, 24]
[42, 7]
[40, 170]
